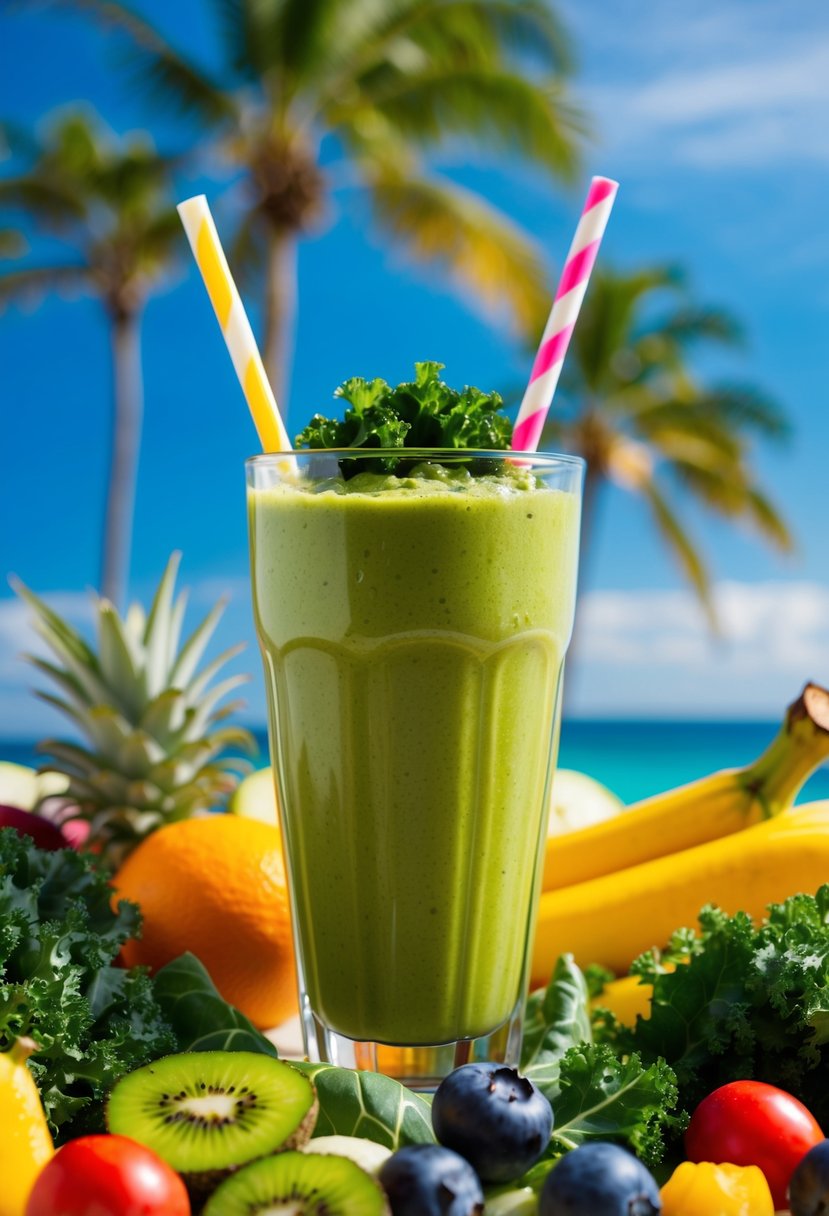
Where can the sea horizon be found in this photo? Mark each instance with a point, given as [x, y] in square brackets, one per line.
[634, 757]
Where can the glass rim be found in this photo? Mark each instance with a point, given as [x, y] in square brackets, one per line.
[546, 459]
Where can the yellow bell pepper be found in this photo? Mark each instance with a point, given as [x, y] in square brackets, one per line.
[705, 1189]
[25, 1143]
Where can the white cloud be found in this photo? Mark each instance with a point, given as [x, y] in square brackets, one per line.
[742, 84]
[646, 652]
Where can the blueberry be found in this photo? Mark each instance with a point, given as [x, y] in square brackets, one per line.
[494, 1117]
[429, 1180]
[809, 1186]
[599, 1180]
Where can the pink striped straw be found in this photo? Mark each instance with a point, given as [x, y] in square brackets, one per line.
[556, 338]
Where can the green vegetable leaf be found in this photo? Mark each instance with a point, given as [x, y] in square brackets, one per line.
[92, 1021]
[423, 413]
[556, 1019]
[370, 1105]
[600, 1097]
[747, 1001]
[199, 1017]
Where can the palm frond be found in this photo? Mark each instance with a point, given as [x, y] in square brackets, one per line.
[479, 249]
[524, 28]
[238, 33]
[53, 202]
[682, 546]
[766, 517]
[164, 72]
[375, 42]
[744, 407]
[248, 251]
[161, 235]
[706, 324]
[129, 183]
[496, 107]
[31, 283]
[603, 356]
[676, 429]
[731, 493]
[13, 244]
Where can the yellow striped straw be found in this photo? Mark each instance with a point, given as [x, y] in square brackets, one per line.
[233, 320]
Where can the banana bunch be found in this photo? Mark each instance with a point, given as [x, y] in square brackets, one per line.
[613, 890]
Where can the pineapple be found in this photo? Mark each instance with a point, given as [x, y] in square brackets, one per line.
[153, 748]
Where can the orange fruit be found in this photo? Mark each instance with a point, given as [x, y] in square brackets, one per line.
[216, 886]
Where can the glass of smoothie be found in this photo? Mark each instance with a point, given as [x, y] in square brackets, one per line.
[413, 626]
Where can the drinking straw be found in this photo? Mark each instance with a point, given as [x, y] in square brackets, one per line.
[556, 338]
[233, 321]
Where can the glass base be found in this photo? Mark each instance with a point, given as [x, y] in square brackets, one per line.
[420, 1067]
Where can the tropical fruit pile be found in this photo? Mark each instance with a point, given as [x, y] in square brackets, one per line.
[150, 1071]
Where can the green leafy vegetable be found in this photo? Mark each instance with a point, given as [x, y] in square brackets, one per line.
[750, 1001]
[201, 1020]
[557, 1017]
[59, 937]
[602, 1097]
[370, 1105]
[423, 413]
[595, 1095]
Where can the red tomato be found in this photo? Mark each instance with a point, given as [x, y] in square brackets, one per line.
[751, 1123]
[107, 1176]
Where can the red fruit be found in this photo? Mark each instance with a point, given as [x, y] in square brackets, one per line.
[76, 833]
[44, 833]
[751, 1123]
[110, 1176]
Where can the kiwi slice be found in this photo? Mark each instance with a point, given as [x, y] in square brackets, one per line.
[209, 1112]
[298, 1184]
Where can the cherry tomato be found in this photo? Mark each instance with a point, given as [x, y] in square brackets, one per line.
[110, 1176]
[751, 1123]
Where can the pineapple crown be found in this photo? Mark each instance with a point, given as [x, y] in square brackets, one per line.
[155, 748]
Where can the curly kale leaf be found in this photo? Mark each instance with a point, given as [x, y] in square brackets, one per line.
[92, 1021]
[745, 1001]
[600, 1097]
[423, 413]
[594, 1093]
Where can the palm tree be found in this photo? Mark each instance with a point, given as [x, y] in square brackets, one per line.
[109, 201]
[319, 91]
[630, 404]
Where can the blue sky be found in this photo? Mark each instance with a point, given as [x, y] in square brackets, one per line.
[715, 119]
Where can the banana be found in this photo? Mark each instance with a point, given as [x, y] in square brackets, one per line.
[704, 810]
[612, 919]
[628, 997]
[25, 1143]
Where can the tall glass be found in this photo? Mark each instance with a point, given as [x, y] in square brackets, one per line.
[413, 631]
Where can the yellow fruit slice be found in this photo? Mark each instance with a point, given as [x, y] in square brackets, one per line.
[25, 1143]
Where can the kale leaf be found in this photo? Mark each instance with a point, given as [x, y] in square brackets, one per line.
[422, 413]
[601, 1097]
[92, 1021]
[745, 1000]
[595, 1094]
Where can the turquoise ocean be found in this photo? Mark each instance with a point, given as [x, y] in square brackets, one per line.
[633, 758]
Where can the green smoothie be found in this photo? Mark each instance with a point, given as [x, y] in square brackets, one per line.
[413, 631]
